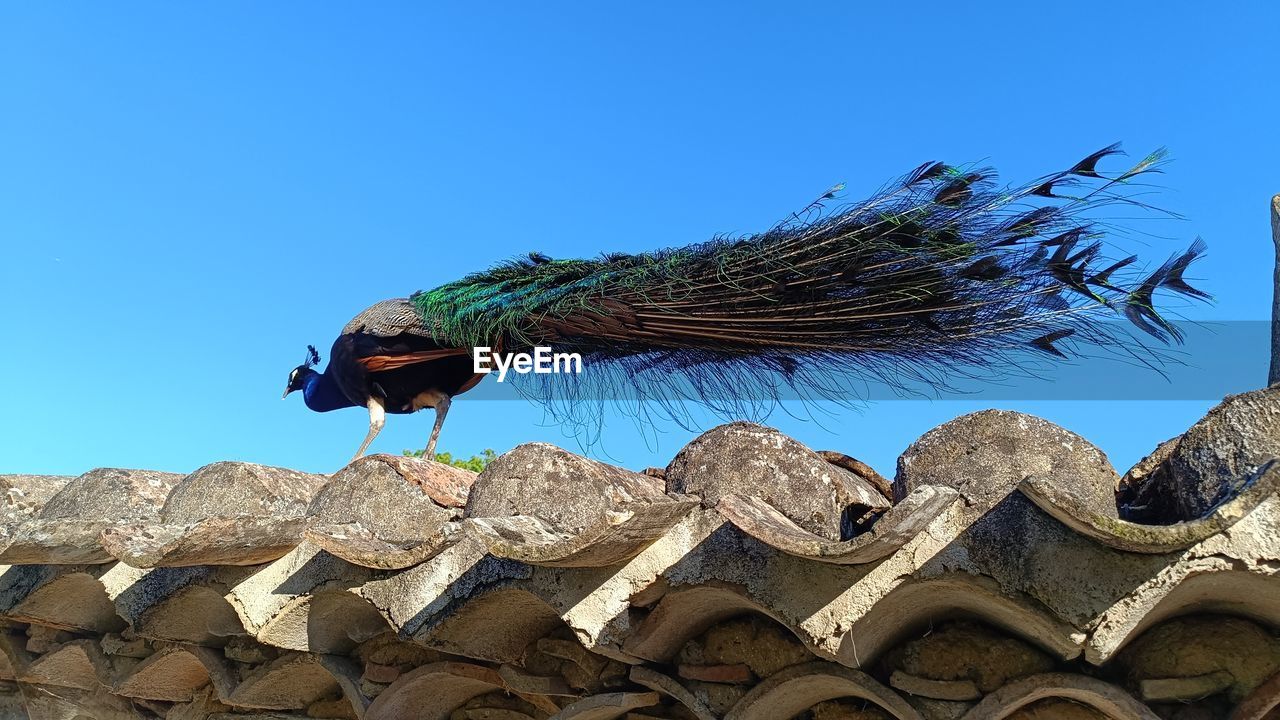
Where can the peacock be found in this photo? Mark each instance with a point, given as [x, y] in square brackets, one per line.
[941, 274]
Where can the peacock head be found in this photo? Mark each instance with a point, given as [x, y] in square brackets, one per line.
[298, 375]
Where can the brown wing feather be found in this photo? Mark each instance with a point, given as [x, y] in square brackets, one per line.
[388, 319]
[379, 363]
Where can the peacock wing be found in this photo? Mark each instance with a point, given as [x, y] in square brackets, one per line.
[388, 318]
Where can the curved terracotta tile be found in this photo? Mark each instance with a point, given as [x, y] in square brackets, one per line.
[668, 686]
[1152, 539]
[78, 663]
[469, 629]
[67, 597]
[1199, 586]
[361, 545]
[261, 593]
[607, 706]
[66, 529]
[684, 614]
[330, 621]
[225, 513]
[389, 512]
[23, 496]
[175, 674]
[347, 673]
[239, 489]
[793, 690]
[610, 539]
[520, 508]
[749, 459]
[433, 692]
[195, 614]
[212, 541]
[519, 681]
[917, 603]
[420, 596]
[290, 682]
[890, 532]
[184, 604]
[1102, 696]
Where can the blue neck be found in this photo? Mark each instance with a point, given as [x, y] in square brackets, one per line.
[321, 393]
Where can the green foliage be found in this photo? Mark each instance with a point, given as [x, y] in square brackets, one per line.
[475, 463]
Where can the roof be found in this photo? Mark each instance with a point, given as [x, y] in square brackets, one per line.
[1006, 566]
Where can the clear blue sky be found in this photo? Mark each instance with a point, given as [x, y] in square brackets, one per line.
[192, 192]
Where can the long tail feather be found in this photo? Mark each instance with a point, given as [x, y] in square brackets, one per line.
[940, 275]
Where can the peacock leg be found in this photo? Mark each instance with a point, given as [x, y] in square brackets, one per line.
[442, 409]
[377, 418]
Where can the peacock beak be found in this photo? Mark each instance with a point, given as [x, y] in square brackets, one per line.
[286, 393]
